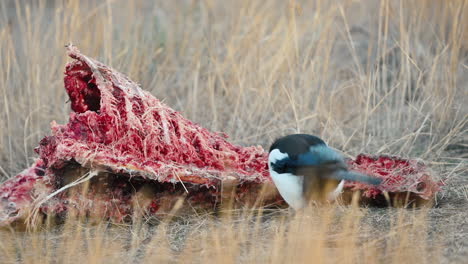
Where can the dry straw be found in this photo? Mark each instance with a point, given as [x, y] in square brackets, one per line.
[368, 76]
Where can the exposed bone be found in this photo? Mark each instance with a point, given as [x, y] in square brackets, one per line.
[147, 155]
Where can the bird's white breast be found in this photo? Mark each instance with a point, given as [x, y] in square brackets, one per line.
[289, 186]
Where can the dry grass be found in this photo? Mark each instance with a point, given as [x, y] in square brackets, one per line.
[367, 76]
[318, 235]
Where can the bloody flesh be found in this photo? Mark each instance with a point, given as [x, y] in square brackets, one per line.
[138, 146]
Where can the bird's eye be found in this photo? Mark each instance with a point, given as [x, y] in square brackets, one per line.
[279, 167]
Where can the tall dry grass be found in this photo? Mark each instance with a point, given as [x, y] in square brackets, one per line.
[367, 76]
[327, 234]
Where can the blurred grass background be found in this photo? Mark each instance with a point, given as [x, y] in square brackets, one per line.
[381, 77]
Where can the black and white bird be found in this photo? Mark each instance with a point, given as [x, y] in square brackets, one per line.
[304, 168]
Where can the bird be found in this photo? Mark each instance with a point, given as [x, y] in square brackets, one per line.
[304, 169]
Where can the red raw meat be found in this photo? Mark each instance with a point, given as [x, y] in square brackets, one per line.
[399, 176]
[118, 125]
[134, 145]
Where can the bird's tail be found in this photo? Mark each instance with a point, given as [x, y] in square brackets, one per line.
[354, 176]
